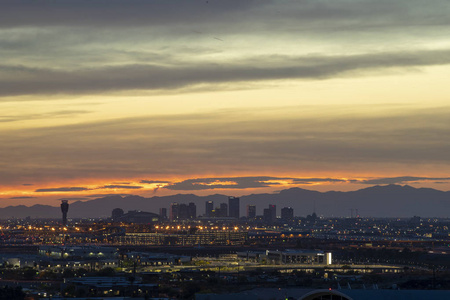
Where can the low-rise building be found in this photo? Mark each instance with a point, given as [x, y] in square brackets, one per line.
[289, 256]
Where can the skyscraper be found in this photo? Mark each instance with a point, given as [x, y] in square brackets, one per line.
[209, 207]
[273, 212]
[163, 213]
[222, 211]
[233, 206]
[287, 214]
[173, 211]
[64, 210]
[251, 211]
[192, 210]
[183, 211]
[270, 214]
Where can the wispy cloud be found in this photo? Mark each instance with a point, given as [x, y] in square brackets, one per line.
[62, 189]
[131, 187]
[106, 195]
[26, 117]
[22, 197]
[154, 181]
[315, 180]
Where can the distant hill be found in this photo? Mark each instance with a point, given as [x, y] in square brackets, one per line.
[376, 201]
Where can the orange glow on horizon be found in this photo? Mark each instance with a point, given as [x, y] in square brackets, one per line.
[27, 195]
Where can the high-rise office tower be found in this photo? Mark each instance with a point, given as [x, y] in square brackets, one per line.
[174, 207]
[183, 211]
[273, 212]
[270, 214]
[209, 207]
[233, 207]
[287, 214]
[251, 211]
[163, 213]
[64, 210]
[222, 211]
[192, 210]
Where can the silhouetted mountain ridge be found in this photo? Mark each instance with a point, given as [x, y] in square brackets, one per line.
[376, 201]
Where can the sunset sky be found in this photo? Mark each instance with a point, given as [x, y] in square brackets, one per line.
[233, 97]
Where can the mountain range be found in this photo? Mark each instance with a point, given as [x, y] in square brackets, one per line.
[376, 201]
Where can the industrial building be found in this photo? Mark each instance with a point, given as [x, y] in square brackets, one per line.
[289, 256]
[78, 252]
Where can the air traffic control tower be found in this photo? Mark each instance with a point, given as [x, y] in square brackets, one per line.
[64, 210]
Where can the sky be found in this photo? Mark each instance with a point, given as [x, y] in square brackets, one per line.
[232, 97]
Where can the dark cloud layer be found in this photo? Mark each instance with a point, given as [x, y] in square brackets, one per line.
[242, 182]
[155, 77]
[22, 197]
[138, 13]
[117, 13]
[85, 47]
[223, 183]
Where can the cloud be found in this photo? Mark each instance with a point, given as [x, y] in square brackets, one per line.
[62, 189]
[313, 180]
[132, 187]
[27, 184]
[55, 114]
[22, 197]
[398, 180]
[154, 45]
[278, 14]
[243, 182]
[154, 181]
[107, 195]
[73, 198]
[225, 183]
[282, 141]
[157, 77]
[117, 13]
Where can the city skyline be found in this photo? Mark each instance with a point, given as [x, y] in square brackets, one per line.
[221, 97]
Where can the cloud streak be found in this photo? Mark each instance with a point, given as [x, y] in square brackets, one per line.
[131, 187]
[245, 182]
[156, 77]
[154, 181]
[62, 189]
[224, 183]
